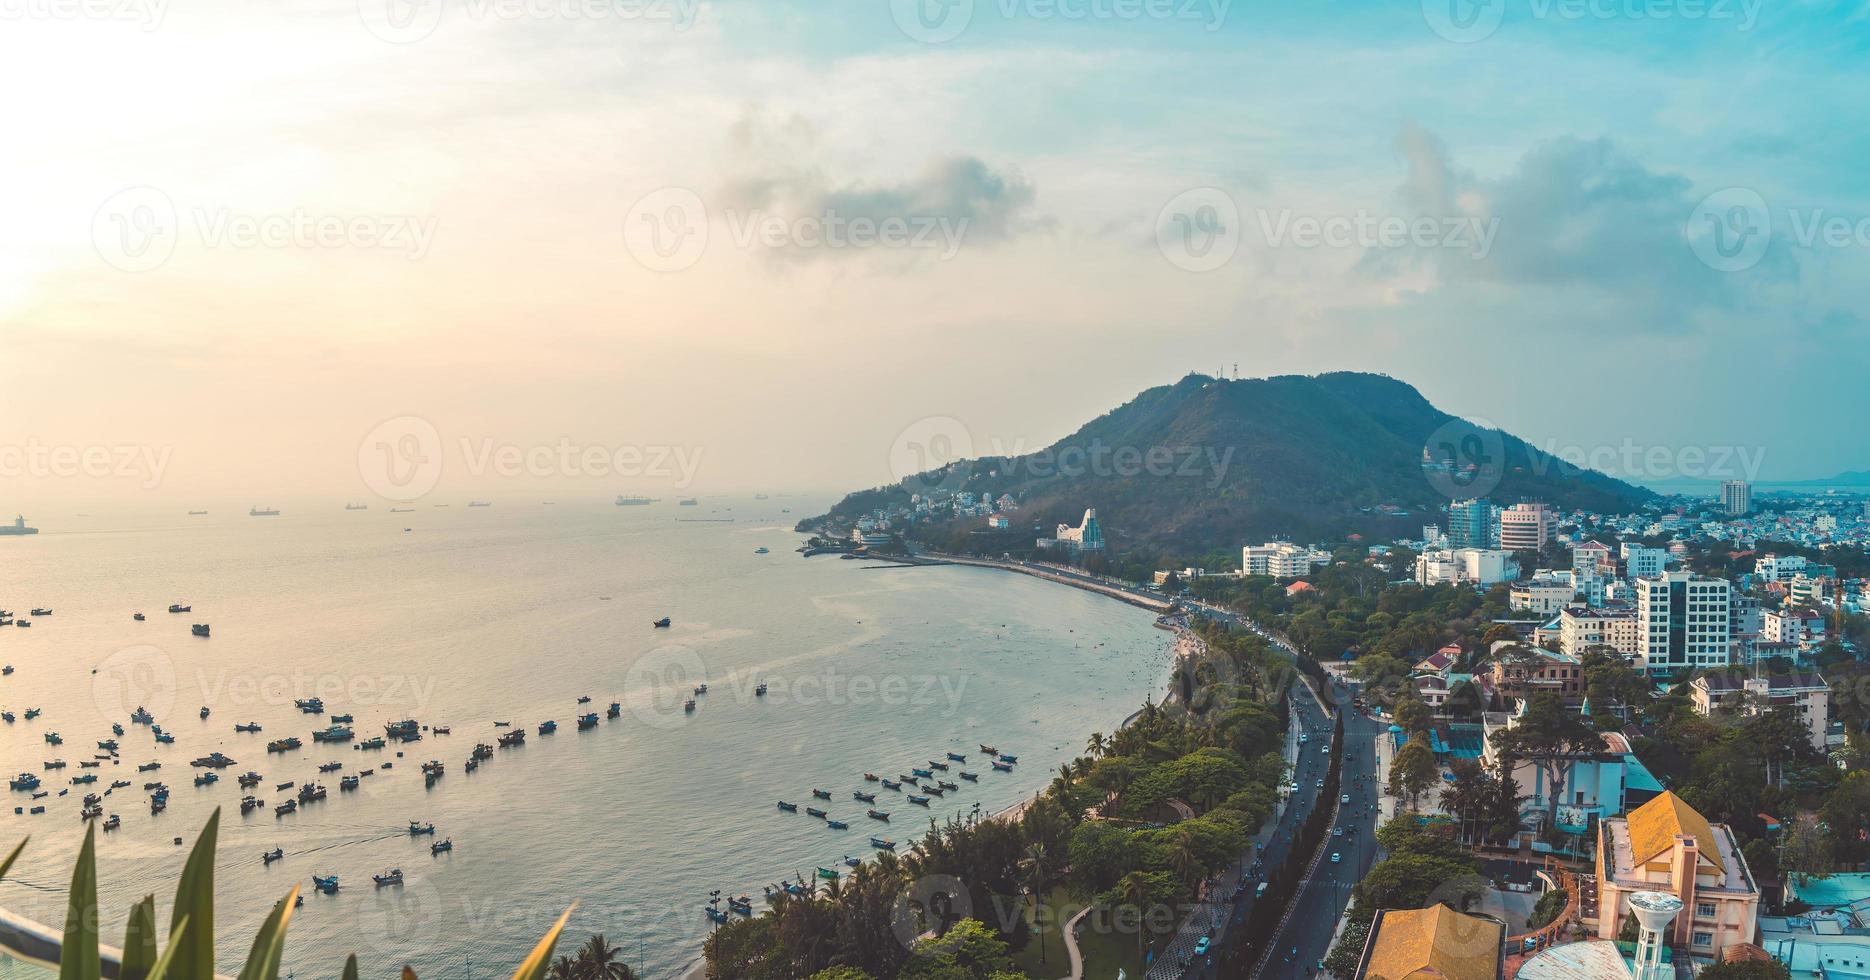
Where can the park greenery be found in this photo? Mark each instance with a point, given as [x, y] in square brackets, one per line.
[1133, 828]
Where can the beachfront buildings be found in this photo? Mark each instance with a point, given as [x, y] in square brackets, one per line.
[1664, 845]
[1086, 538]
[1683, 620]
[1433, 942]
[1805, 693]
[1526, 527]
[1281, 559]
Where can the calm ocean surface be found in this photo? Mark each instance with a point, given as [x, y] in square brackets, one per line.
[510, 613]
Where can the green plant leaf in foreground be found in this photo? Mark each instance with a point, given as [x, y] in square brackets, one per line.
[78, 959]
[535, 966]
[139, 940]
[194, 901]
[270, 944]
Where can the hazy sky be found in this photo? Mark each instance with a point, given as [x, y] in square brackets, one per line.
[247, 249]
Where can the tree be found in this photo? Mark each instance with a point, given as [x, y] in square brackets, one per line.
[842, 973]
[967, 951]
[1412, 771]
[1038, 866]
[598, 960]
[1551, 737]
[1139, 892]
[1468, 794]
[1754, 970]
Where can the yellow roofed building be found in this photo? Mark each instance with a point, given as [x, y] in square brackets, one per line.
[1664, 845]
[1435, 943]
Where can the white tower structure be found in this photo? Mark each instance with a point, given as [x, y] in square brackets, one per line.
[1654, 911]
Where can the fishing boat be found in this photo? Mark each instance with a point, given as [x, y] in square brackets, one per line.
[24, 780]
[164, 738]
[988, 749]
[310, 792]
[327, 885]
[200, 629]
[512, 738]
[335, 733]
[341, 719]
[442, 845]
[433, 767]
[250, 726]
[248, 804]
[418, 828]
[689, 705]
[157, 804]
[41, 611]
[159, 787]
[470, 765]
[934, 790]
[139, 617]
[273, 855]
[287, 744]
[587, 721]
[176, 607]
[371, 743]
[207, 778]
[584, 699]
[898, 787]
[614, 710]
[548, 727]
[972, 777]
[911, 780]
[52, 738]
[483, 751]
[823, 794]
[922, 773]
[715, 914]
[288, 784]
[394, 876]
[1008, 758]
[406, 730]
[877, 815]
[701, 688]
[956, 757]
[943, 766]
[113, 823]
[32, 713]
[116, 729]
[945, 784]
[93, 764]
[248, 778]
[60, 764]
[814, 811]
[87, 778]
[882, 843]
[661, 624]
[442, 730]
[762, 550]
[311, 706]
[8, 715]
[741, 906]
[837, 825]
[204, 711]
[1002, 767]
[760, 691]
[827, 874]
[870, 777]
[919, 800]
[788, 807]
[290, 806]
[331, 767]
[864, 797]
[852, 862]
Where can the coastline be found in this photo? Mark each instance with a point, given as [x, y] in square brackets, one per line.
[1186, 644]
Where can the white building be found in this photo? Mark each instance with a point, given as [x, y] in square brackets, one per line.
[1525, 527]
[1778, 568]
[1543, 595]
[1280, 559]
[1581, 628]
[1475, 566]
[1736, 497]
[1642, 562]
[1683, 620]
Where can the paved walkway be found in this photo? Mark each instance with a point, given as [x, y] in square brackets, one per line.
[1071, 945]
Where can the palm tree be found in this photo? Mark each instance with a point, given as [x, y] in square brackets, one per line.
[1182, 856]
[1038, 867]
[1097, 744]
[597, 959]
[564, 968]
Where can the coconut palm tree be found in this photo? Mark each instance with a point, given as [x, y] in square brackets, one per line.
[565, 968]
[1097, 744]
[598, 960]
[1037, 866]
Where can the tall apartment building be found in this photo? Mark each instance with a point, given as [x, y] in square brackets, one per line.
[1736, 497]
[1525, 527]
[1643, 562]
[1581, 628]
[1471, 524]
[1683, 620]
[1280, 559]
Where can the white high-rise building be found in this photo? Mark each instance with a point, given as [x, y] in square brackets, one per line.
[1736, 497]
[1683, 620]
[1525, 527]
[1643, 562]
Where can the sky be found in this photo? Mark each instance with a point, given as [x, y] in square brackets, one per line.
[388, 249]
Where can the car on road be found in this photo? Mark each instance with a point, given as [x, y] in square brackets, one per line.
[1201, 946]
[1335, 857]
[1337, 831]
[1346, 798]
[1321, 784]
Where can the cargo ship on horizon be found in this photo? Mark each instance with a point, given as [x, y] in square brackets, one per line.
[17, 528]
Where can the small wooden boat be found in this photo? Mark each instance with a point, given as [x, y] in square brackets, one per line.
[1002, 767]
[919, 800]
[898, 787]
[956, 757]
[972, 777]
[788, 807]
[882, 843]
[878, 815]
[823, 794]
[870, 777]
[273, 855]
[864, 797]
[442, 845]
[990, 750]
[814, 811]
[837, 825]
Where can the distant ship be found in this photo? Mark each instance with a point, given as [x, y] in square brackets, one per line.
[623, 501]
[257, 512]
[18, 527]
[402, 510]
[759, 496]
[197, 513]
[687, 502]
[356, 506]
[479, 503]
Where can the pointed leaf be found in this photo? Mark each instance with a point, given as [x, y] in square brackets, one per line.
[194, 901]
[7, 865]
[350, 967]
[139, 940]
[161, 969]
[535, 966]
[270, 944]
[77, 956]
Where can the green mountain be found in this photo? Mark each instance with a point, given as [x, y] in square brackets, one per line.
[1208, 464]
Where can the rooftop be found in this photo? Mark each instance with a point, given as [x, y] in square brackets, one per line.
[1655, 825]
[1436, 942]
